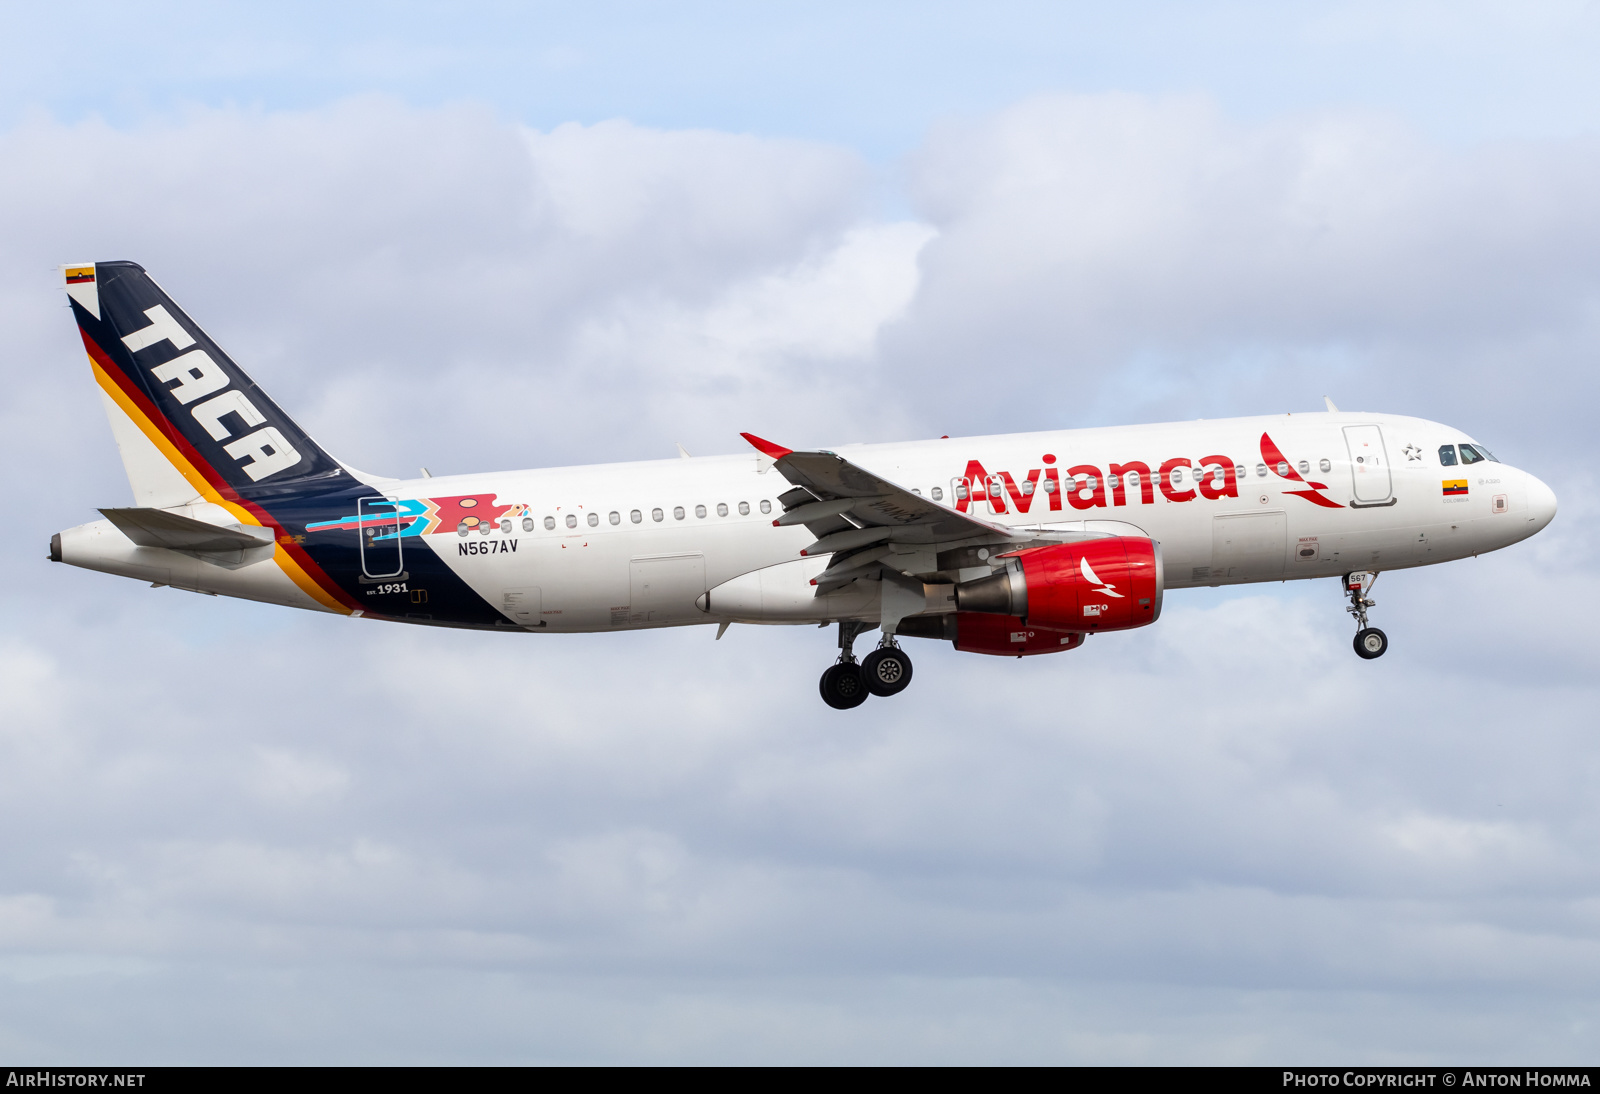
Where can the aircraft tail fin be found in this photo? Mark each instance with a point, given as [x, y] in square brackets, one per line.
[189, 422]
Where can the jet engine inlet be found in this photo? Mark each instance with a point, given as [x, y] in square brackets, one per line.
[55, 547]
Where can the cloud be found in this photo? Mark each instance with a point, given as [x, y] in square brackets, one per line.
[473, 287]
[1130, 255]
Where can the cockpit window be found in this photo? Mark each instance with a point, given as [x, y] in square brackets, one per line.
[1447, 455]
[1475, 453]
[1485, 453]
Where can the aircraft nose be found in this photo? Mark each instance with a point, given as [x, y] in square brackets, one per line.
[1541, 503]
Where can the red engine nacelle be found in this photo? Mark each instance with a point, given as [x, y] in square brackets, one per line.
[1108, 584]
[1009, 636]
[1002, 635]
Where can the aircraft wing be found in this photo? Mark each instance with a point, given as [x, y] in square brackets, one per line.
[854, 507]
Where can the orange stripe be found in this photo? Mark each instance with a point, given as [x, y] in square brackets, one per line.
[203, 487]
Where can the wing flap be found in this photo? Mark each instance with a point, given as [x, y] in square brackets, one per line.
[879, 503]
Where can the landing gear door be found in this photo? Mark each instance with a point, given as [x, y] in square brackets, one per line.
[1369, 466]
[665, 587]
[379, 537]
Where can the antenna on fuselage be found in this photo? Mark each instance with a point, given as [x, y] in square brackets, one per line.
[1329, 404]
[683, 453]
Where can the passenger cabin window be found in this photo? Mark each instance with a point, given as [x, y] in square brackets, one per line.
[1447, 455]
[572, 520]
[594, 520]
[938, 494]
[614, 517]
[657, 515]
[527, 524]
[766, 506]
[549, 524]
[700, 512]
[722, 508]
[677, 512]
[1325, 465]
[636, 516]
[744, 509]
[1261, 470]
[505, 526]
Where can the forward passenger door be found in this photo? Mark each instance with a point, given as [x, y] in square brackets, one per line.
[1369, 466]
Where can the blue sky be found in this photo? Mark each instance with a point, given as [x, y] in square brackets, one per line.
[524, 235]
[872, 77]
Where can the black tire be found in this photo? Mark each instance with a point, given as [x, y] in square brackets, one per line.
[842, 687]
[886, 670]
[1371, 643]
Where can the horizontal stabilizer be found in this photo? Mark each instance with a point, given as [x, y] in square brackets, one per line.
[159, 528]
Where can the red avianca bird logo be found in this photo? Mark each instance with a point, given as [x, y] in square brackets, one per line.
[1274, 459]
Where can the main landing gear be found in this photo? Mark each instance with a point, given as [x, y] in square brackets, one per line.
[885, 671]
[1370, 642]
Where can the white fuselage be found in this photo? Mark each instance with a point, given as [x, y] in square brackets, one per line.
[618, 567]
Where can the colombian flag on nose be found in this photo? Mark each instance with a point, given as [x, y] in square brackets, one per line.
[1454, 487]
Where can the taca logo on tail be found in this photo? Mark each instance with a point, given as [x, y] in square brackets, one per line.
[174, 381]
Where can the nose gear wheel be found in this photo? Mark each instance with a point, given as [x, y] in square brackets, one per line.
[1371, 642]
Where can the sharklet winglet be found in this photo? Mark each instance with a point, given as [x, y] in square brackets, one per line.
[767, 448]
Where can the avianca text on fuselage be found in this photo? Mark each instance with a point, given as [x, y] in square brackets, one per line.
[233, 498]
[1087, 486]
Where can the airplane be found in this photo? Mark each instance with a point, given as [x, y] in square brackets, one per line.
[1013, 545]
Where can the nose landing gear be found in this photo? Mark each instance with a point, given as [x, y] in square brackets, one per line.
[885, 671]
[1370, 642]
